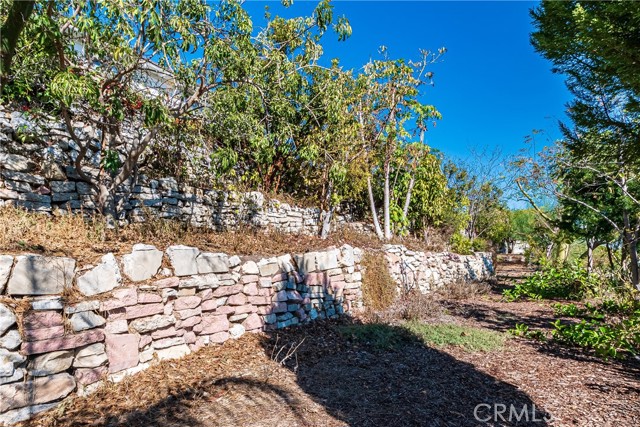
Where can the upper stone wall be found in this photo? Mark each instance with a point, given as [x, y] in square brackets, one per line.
[39, 176]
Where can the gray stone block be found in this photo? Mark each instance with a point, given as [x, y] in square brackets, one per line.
[41, 275]
[102, 278]
[208, 262]
[142, 263]
[183, 260]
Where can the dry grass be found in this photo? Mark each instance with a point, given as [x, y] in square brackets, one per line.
[86, 238]
[464, 290]
[416, 306]
[378, 287]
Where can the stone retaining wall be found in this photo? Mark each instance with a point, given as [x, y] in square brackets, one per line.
[426, 271]
[38, 174]
[66, 328]
[132, 311]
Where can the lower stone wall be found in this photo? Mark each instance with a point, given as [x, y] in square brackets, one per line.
[426, 271]
[66, 328]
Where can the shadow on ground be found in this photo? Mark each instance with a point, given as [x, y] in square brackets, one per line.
[307, 376]
[408, 385]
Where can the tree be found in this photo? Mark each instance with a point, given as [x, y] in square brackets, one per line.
[596, 166]
[18, 13]
[146, 68]
[389, 92]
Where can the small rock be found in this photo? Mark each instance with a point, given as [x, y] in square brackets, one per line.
[236, 331]
[7, 318]
[86, 320]
[11, 340]
[51, 363]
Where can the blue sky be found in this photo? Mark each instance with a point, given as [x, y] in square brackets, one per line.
[491, 87]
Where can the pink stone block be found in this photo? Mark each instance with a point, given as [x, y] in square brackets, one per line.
[259, 300]
[42, 319]
[237, 299]
[188, 323]
[224, 291]
[111, 304]
[250, 289]
[280, 277]
[43, 333]
[219, 338]
[209, 305]
[169, 282]
[185, 303]
[128, 296]
[168, 309]
[145, 340]
[143, 310]
[337, 288]
[225, 309]
[248, 308]
[252, 322]
[190, 337]
[147, 298]
[206, 295]
[265, 292]
[249, 279]
[116, 313]
[212, 324]
[122, 351]
[185, 314]
[169, 331]
[315, 279]
[86, 376]
[63, 343]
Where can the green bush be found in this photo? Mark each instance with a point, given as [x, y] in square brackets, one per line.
[615, 340]
[461, 244]
[571, 282]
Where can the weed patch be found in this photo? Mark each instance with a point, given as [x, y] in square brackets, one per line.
[471, 339]
[379, 290]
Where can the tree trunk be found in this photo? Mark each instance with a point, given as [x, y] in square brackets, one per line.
[107, 205]
[610, 256]
[326, 221]
[386, 201]
[631, 243]
[590, 248]
[17, 17]
[374, 213]
[407, 200]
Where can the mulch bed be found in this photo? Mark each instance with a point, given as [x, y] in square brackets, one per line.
[315, 376]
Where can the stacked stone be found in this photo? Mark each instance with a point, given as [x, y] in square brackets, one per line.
[134, 312]
[40, 176]
[426, 271]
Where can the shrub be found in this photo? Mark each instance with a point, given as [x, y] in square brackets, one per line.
[570, 282]
[415, 305]
[461, 244]
[379, 290]
[615, 340]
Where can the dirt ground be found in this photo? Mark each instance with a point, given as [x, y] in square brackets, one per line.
[316, 376]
